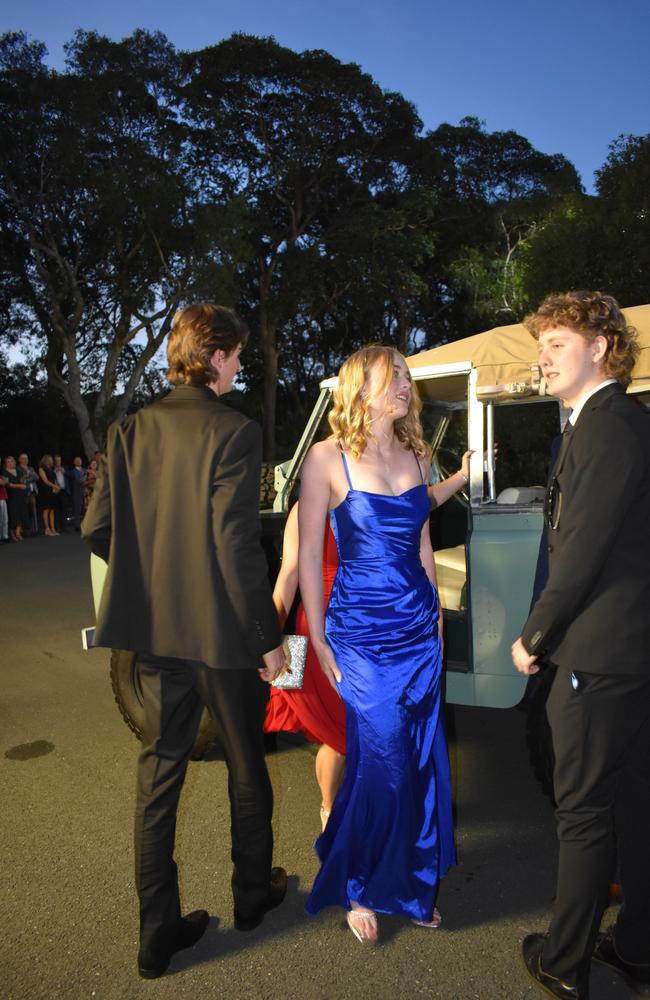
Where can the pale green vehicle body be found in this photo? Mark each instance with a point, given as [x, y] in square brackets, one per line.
[502, 552]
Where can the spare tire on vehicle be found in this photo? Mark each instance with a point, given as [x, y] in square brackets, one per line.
[128, 695]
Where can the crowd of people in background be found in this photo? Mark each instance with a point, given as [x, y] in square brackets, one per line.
[48, 498]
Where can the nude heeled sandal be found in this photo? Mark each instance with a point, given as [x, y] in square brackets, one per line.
[363, 924]
[432, 924]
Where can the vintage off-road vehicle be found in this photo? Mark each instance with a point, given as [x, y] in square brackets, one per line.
[485, 393]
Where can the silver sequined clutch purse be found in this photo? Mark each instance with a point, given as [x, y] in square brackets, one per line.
[295, 651]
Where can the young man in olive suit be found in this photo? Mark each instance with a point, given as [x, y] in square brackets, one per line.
[175, 515]
[592, 620]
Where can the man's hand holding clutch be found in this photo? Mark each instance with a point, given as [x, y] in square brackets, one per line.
[274, 663]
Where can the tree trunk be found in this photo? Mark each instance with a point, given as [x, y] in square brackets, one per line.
[76, 404]
[270, 359]
[270, 356]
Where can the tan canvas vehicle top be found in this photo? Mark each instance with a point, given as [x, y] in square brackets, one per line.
[507, 356]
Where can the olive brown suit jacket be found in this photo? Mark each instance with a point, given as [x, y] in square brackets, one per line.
[594, 612]
[175, 513]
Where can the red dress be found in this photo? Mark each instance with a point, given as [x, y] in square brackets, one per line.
[316, 709]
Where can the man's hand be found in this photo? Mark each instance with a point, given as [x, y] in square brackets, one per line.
[524, 662]
[274, 664]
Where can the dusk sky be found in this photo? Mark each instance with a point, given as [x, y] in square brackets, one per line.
[569, 75]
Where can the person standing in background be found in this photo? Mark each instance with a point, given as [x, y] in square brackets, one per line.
[91, 479]
[76, 483]
[16, 498]
[63, 503]
[4, 517]
[47, 494]
[30, 478]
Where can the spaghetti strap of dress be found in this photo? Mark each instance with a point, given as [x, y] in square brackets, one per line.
[347, 471]
[417, 460]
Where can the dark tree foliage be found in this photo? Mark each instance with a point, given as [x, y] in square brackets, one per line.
[598, 242]
[298, 147]
[288, 185]
[490, 190]
[33, 416]
[95, 244]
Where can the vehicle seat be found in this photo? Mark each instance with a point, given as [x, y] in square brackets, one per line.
[521, 495]
[451, 573]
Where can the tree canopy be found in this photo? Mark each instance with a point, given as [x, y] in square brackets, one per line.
[289, 186]
[600, 241]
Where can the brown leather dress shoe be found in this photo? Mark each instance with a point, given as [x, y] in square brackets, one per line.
[153, 962]
[637, 977]
[277, 892]
[531, 950]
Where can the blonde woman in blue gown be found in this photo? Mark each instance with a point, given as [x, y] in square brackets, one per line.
[389, 839]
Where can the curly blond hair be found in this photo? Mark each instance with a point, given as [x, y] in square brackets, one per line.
[350, 417]
[592, 314]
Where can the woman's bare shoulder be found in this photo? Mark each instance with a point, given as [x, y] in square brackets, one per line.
[324, 453]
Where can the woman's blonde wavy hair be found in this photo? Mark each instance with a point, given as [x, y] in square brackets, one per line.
[350, 417]
[591, 314]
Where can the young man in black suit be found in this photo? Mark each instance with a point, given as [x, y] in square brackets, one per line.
[592, 621]
[175, 513]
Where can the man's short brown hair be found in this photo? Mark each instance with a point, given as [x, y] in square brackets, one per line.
[591, 314]
[197, 332]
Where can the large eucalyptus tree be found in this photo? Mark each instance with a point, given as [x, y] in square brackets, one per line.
[93, 214]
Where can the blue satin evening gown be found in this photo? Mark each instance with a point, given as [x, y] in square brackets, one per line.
[389, 839]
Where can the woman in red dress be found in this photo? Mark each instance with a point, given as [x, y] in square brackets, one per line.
[316, 710]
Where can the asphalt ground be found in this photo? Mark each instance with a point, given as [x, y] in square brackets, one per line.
[68, 907]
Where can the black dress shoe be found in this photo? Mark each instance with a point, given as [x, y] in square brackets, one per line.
[154, 962]
[637, 977]
[277, 892]
[531, 950]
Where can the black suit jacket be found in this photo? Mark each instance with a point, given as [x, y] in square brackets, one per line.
[175, 513]
[594, 613]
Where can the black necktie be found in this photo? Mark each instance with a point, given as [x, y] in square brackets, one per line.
[566, 437]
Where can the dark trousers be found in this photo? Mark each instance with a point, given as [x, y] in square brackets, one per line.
[601, 738]
[61, 509]
[77, 503]
[174, 694]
